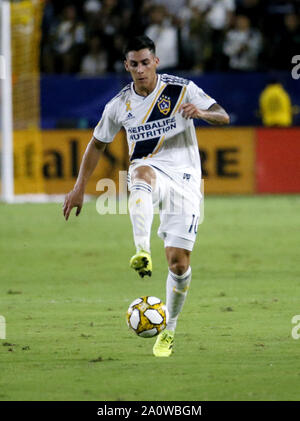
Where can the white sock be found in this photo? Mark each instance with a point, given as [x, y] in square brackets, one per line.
[141, 213]
[177, 288]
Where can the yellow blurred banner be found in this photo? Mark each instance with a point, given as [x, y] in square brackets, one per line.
[228, 159]
[26, 18]
[28, 161]
[62, 154]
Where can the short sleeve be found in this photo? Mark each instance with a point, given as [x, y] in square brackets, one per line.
[107, 127]
[198, 97]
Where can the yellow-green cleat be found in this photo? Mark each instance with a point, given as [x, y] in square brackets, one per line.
[142, 263]
[163, 346]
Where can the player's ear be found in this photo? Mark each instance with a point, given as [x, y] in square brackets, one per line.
[126, 66]
[156, 60]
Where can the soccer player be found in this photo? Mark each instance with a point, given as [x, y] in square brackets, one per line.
[157, 112]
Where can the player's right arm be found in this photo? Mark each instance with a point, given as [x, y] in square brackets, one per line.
[74, 199]
[105, 130]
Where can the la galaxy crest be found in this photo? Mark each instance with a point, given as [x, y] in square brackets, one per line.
[164, 104]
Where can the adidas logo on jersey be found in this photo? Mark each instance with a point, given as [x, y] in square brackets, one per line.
[129, 116]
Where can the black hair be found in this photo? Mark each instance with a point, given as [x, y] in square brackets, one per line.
[139, 43]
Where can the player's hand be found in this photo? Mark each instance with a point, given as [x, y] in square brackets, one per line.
[74, 199]
[189, 110]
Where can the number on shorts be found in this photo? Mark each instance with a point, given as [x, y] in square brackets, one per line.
[194, 224]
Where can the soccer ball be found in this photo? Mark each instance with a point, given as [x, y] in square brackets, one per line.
[147, 316]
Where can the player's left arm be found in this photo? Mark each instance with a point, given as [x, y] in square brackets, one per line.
[215, 114]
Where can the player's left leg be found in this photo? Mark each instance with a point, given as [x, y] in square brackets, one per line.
[179, 220]
[178, 281]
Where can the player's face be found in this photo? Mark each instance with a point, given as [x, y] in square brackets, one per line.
[142, 66]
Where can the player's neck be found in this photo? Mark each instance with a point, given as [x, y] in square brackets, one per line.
[146, 90]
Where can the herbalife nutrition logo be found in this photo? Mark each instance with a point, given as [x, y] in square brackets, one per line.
[2, 67]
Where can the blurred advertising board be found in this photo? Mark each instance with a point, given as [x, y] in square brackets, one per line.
[234, 160]
[278, 160]
[227, 156]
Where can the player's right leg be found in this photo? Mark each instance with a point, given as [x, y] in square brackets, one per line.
[142, 185]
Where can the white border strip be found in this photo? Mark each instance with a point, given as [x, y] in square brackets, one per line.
[7, 164]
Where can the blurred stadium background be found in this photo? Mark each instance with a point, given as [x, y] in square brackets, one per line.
[63, 292]
[66, 63]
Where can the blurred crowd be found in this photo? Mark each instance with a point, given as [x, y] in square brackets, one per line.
[88, 36]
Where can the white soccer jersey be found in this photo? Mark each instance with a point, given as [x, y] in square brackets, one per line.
[156, 133]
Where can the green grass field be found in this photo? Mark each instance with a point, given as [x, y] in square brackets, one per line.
[65, 288]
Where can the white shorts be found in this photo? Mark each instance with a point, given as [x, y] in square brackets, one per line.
[178, 204]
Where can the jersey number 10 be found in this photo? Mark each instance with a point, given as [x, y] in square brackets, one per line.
[194, 224]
